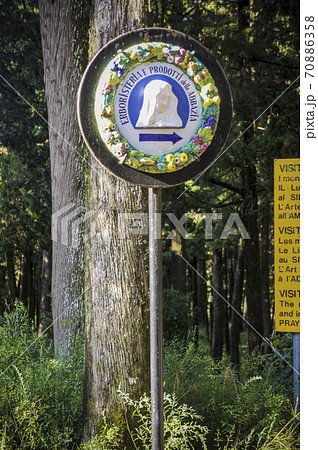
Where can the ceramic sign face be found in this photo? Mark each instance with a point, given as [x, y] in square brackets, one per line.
[157, 116]
[154, 102]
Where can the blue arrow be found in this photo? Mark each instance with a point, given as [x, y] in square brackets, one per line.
[174, 137]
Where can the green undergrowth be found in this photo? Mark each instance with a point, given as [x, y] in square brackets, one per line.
[40, 396]
[208, 405]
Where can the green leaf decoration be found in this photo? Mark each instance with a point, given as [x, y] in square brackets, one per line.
[157, 52]
[113, 79]
[147, 161]
[154, 157]
[206, 134]
[162, 166]
[136, 153]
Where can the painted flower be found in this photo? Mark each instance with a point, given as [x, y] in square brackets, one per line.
[197, 139]
[109, 110]
[179, 59]
[120, 72]
[216, 99]
[205, 72]
[203, 147]
[115, 65]
[197, 79]
[183, 157]
[108, 88]
[120, 150]
[109, 138]
[190, 72]
[171, 166]
[170, 59]
[116, 135]
[206, 93]
[177, 160]
[210, 122]
[182, 52]
[170, 157]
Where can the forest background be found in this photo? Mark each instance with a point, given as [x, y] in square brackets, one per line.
[257, 44]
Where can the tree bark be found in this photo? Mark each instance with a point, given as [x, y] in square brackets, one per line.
[3, 270]
[178, 266]
[252, 259]
[218, 306]
[64, 31]
[11, 277]
[225, 290]
[265, 267]
[202, 291]
[31, 293]
[110, 267]
[44, 306]
[236, 321]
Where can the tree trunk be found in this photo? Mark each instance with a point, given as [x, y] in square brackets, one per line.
[218, 306]
[113, 273]
[195, 312]
[31, 293]
[44, 306]
[178, 266]
[3, 270]
[225, 290]
[236, 321]
[24, 282]
[11, 277]
[265, 267]
[252, 259]
[65, 32]
[202, 291]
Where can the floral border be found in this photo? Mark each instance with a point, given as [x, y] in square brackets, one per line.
[157, 51]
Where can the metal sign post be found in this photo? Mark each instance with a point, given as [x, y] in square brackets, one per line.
[155, 109]
[156, 323]
[296, 366]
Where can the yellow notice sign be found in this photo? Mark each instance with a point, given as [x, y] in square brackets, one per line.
[287, 233]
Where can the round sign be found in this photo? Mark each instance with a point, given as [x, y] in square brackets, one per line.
[154, 107]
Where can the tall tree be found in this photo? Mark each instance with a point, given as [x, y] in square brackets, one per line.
[218, 306]
[111, 267]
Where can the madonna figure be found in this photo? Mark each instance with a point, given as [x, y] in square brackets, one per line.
[160, 107]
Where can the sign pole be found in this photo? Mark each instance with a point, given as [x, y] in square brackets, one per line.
[156, 322]
[296, 366]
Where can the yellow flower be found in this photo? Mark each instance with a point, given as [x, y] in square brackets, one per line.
[183, 157]
[170, 157]
[206, 93]
[197, 79]
[171, 166]
[205, 72]
[216, 100]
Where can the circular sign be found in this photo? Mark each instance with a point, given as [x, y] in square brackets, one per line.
[154, 107]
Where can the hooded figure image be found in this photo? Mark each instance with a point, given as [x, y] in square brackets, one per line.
[160, 107]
